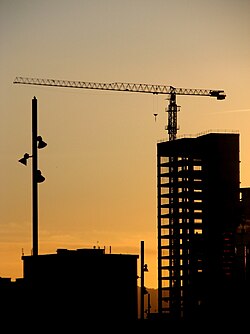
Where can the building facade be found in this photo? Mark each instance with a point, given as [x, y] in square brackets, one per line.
[74, 286]
[84, 283]
[198, 185]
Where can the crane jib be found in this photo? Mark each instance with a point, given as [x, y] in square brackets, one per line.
[120, 86]
[131, 87]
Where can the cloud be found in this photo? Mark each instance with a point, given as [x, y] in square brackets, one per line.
[232, 111]
[14, 231]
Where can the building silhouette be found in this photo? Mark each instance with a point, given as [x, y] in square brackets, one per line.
[200, 272]
[203, 251]
[74, 285]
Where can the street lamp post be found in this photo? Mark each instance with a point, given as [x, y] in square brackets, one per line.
[144, 268]
[34, 177]
[142, 280]
[37, 142]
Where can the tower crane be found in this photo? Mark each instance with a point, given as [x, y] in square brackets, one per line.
[132, 87]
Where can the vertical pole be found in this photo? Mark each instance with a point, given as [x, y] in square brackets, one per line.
[34, 177]
[149, 306]
[142, 280]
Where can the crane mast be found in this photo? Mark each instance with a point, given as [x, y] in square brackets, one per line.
[131, 87]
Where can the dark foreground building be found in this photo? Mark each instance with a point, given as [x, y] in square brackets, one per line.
[76, 286]
[199, 211]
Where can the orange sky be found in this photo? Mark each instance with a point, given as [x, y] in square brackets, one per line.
[100, 162]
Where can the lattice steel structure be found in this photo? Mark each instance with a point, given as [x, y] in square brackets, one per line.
[172, 109]
[198, 212]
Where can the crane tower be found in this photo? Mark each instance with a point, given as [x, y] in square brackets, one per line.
[172, 108]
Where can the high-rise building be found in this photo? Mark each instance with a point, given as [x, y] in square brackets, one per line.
[198, 184]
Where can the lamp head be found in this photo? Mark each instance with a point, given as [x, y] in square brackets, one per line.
[24, 159]
[39, 177]
[41, 143]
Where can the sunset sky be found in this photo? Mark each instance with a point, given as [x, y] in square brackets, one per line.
[100, 162]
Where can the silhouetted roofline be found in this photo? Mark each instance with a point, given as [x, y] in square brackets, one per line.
[207, 132]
